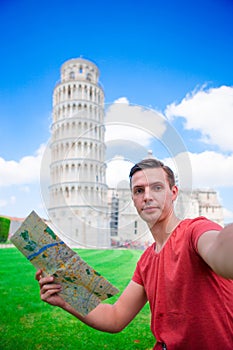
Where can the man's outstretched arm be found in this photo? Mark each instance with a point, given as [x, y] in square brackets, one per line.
[105, 317]
[216, 248]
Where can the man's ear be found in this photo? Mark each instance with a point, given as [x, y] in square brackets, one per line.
[175, 192]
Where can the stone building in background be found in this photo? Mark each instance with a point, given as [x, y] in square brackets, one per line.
[205, 203]
[78, 191]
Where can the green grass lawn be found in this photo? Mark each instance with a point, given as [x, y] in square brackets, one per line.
[26, 323]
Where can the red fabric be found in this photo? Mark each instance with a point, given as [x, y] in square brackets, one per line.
[191, 306]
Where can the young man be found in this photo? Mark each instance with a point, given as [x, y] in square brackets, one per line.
[186, 274]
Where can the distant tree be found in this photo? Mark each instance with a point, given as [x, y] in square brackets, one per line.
[4, 229]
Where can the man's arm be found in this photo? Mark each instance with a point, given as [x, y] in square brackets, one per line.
[216, 248]
[105, 317]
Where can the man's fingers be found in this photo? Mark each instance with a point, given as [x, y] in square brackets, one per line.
[50, 287]
[45, 280]
[45, 296]
[38, 275]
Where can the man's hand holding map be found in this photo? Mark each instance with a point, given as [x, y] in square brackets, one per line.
[82, 287]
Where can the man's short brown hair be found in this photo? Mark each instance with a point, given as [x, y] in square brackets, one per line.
[151, 163]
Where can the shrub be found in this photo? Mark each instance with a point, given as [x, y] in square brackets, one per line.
[4, 229]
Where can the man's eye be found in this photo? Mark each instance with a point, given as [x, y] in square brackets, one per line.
[138, 191]
[158, 188]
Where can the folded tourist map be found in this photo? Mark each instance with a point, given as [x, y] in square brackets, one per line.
[82, 287]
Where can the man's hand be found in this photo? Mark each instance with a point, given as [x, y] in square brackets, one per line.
[110, 318]
[49, 290]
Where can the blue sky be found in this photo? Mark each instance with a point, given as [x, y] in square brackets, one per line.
[172, 56]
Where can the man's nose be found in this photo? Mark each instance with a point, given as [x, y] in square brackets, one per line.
[147, 194]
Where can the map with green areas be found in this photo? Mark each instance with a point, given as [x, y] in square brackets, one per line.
[82, 287]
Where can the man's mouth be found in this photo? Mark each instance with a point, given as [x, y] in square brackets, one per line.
[149, 208]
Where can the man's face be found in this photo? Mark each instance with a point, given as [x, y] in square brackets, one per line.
[152, 195]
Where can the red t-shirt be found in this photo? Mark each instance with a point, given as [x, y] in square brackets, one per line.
[191, 306]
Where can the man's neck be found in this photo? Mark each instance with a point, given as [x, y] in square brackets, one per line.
[162, 230]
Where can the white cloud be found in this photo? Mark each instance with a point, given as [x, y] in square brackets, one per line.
[119, 132]
[133, 123]
[117, 171]
[209, 111]
[210, 169]
[122, 100]
[26, 171]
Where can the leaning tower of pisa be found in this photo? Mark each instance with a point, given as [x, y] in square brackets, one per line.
[78, 190]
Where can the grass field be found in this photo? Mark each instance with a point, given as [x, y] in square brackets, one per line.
[26, 323]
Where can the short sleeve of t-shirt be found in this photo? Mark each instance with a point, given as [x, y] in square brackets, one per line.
[144, 260]
[199, 226]
[191, 229]
[137, 276]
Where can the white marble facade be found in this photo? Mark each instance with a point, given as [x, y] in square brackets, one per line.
[78, 191]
